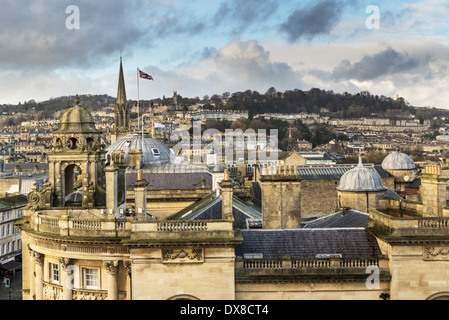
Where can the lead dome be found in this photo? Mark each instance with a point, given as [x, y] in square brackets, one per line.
[398, 161]
[77, 120]
[153, 151]
[361, 179]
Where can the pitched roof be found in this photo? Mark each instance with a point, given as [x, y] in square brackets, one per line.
[341, 219]
[210, 207]
[173, 180]
[307, 243]
[334, 171]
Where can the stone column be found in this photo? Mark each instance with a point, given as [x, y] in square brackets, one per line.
[32, 273]
[58, 185]
[111, 188]
[140, 195]
[39, 264]
[127, 265]
[67, 285]
[112, 268]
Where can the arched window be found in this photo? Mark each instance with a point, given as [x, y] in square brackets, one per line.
[183, 297]
[72, 143]
[72, 179]
[89, 143]
[439, 296]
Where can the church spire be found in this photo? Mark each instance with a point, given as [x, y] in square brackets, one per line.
[121, 109]
[121, 92]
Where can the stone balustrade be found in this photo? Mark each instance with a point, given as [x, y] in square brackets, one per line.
[182, 226]
[310, 266]
[67, 226]
[408, 226]
[310, 263]
[172, 230]
[128, 227]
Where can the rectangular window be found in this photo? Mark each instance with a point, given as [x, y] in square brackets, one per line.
[54, 272]
[91, 278]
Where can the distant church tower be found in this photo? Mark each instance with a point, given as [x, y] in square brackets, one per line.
[175, 98]
[121, 109]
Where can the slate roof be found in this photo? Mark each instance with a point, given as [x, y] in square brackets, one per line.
[210, 208]
[341, 219]
[334, 171]
[7, 203]
[257, 199]
[307, 243]
[175, 180]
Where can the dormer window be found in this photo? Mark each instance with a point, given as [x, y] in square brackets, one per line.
[155, 152]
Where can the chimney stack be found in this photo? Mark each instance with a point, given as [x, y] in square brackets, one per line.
[227, 191]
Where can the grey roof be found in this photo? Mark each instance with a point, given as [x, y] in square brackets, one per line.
[333, 171]
[171, 180]
[390, 194]
[210, 208]
[257, 199]
[398, 161]
[307, 243]
[415, 184]
[341, 219]
[9, 202]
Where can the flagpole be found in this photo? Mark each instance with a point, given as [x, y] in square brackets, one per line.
[138, 102]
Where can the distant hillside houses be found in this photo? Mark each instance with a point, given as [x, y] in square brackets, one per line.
[288, 116]
[39, 123]
[219, 115]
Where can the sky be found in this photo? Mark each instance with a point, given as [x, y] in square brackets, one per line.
[51, 48]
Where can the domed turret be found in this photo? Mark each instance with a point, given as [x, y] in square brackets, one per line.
[361, 179]
[77, 120]
[398, 161]
[77, 149]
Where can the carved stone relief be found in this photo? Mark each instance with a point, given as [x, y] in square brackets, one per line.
[436, 253]
[182, 255]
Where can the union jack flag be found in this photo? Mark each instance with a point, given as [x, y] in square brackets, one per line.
[144, 75]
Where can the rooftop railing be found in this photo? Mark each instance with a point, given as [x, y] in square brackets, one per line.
[408, 226]
[129, 227]
[289, 265]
